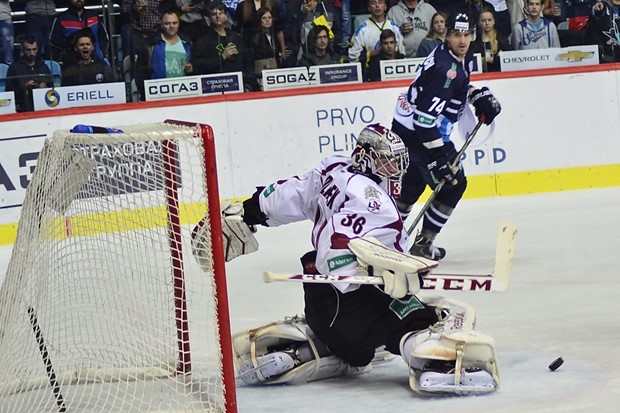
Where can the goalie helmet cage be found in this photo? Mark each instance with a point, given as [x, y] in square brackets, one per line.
[103, 308]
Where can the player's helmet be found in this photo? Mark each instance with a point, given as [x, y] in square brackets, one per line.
[459, 22]
[381, 153]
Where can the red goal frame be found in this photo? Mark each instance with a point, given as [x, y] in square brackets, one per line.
[218, 264]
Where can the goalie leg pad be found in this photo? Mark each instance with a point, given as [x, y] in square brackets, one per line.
[266, 350]
[452, 340]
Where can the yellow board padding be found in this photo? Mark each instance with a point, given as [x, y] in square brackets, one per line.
[7, 233]
[482, 186]
[533, 182]
[555, 180]
[110, 222]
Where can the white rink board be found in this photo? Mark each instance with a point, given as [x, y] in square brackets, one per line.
[259, 141]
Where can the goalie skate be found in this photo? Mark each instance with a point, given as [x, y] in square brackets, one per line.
[441, 377]
[450, 357]
[269, 365]
[289, 352]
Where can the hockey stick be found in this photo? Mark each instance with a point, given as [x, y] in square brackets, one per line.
[49, 367]
[496, 281]
[440, 185]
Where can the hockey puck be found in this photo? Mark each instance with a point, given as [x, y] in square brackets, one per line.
[556, 364]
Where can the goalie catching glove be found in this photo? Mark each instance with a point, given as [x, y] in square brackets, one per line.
[238, 237]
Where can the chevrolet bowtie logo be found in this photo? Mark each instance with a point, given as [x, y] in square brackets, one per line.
[574, 56]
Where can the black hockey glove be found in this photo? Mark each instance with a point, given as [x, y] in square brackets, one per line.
[252, 215]
[439, 167]
[487, 107]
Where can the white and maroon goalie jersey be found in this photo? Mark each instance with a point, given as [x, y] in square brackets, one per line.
[343, 205]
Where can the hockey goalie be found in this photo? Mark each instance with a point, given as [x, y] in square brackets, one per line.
[347, 328]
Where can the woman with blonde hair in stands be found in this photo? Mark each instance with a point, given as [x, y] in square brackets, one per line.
[502, 16]
[489, 42]
[436, 35]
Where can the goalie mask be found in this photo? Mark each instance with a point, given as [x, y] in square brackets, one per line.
[381, 153]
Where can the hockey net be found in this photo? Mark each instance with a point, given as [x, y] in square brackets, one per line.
[103, 308]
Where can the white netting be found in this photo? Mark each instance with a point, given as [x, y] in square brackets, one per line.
[92, 313]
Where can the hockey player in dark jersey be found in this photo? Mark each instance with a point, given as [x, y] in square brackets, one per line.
[424, 117]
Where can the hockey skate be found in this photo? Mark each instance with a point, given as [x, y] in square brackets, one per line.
[289, 352]
[268, 365]
[450, 358]
[441, 377]
[423, 247]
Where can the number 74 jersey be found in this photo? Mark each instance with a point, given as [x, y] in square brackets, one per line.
[343, 205]
[437, 97]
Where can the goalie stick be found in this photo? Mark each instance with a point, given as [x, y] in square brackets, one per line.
[496, 281]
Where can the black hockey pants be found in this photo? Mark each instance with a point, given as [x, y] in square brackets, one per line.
[352, 325]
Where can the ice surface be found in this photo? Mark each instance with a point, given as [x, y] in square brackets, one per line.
[563, 300]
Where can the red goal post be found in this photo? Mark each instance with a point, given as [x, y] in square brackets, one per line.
[218, 262]
[103, 304]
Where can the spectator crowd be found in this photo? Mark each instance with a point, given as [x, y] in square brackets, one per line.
[172, 38]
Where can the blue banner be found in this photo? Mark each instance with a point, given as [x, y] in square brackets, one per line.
[192, 86]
